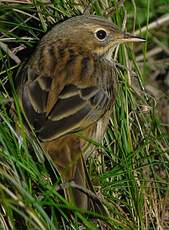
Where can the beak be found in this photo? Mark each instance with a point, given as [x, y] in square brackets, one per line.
[125, 37]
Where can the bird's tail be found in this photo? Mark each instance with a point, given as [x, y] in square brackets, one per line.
[81, 191]
[78, 189]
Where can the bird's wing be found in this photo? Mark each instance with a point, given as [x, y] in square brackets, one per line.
[74, 110]
[56, 108]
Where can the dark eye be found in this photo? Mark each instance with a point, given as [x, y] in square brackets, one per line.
[101, 34]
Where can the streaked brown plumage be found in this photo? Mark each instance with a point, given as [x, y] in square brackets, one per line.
[68, 86]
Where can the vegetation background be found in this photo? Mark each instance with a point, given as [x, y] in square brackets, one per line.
[130, 169]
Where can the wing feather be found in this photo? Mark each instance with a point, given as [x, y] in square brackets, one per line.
[74, 113]
[56, 105]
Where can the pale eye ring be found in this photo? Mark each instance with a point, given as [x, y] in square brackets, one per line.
[101, 34]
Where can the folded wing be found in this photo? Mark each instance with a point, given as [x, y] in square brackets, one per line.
[75, 105]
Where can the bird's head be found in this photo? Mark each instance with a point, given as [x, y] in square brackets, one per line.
[92, 33]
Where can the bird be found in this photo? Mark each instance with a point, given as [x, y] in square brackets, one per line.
[67, 91]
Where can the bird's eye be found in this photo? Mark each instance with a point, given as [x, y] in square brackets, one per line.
[101, 34]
